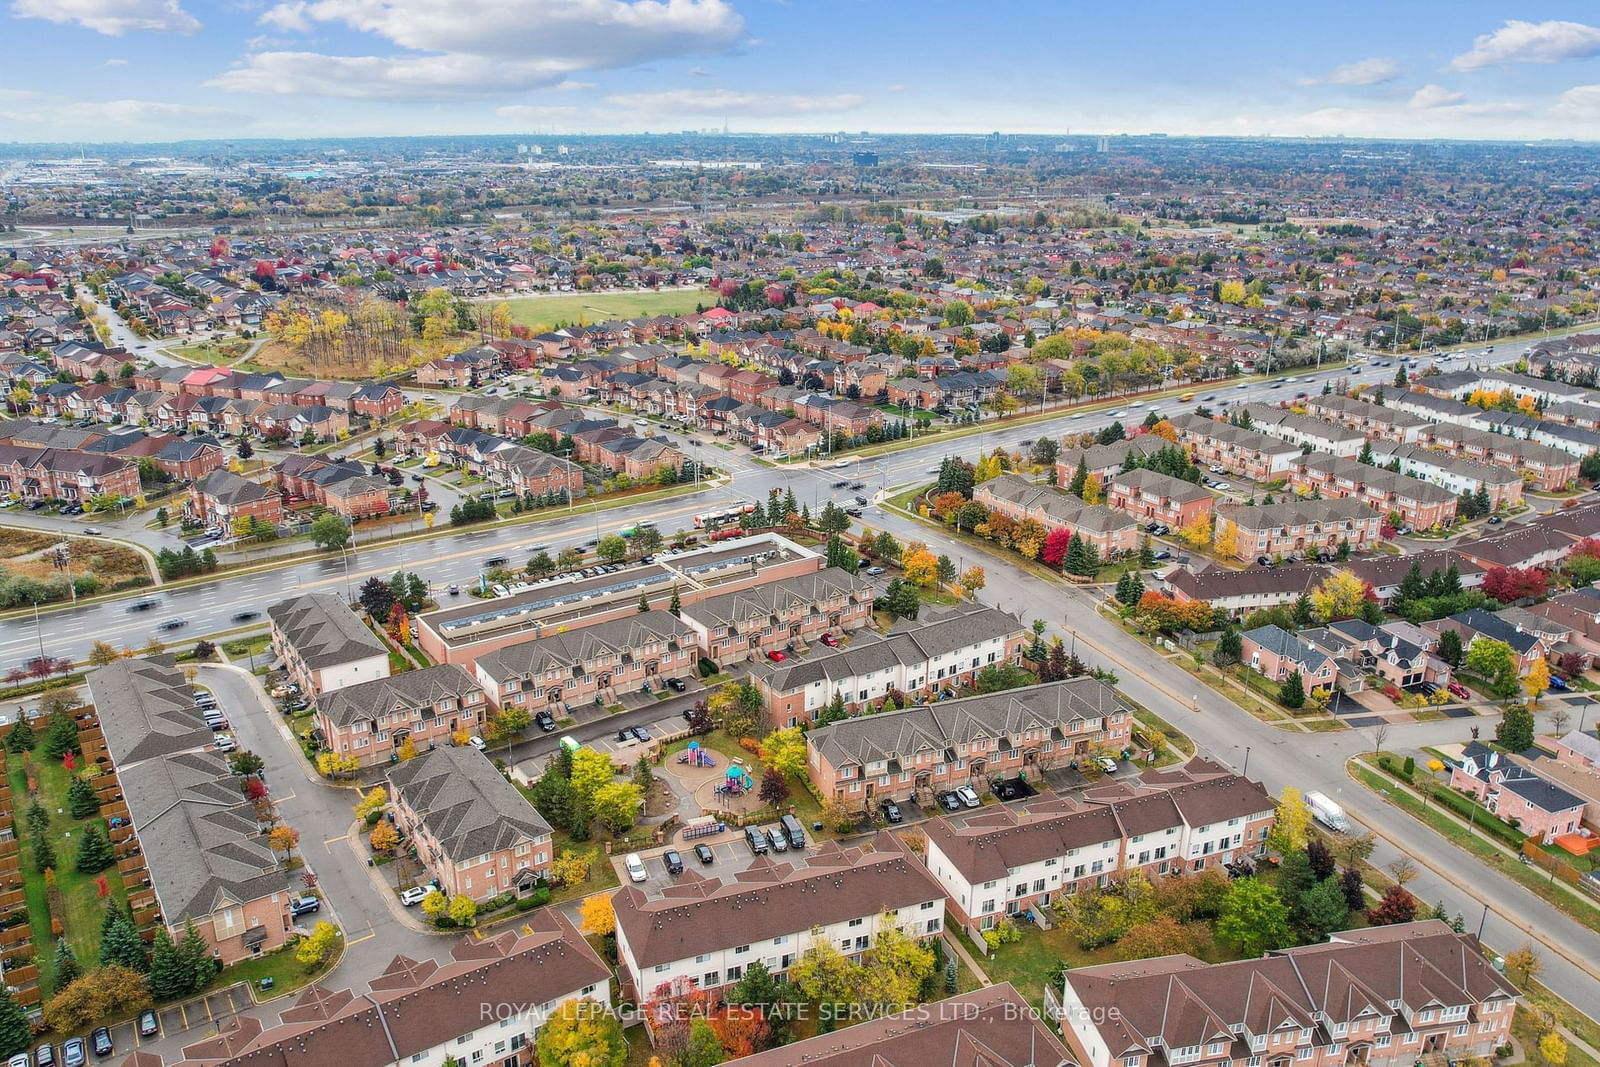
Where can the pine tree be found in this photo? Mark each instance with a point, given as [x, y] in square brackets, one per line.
[38, 819]
[1481, 499]
[676, 605]
[121, 945]
[67, 968]
[168, 979]
[81, 800]
[1366, 453]
[1292, 693]
[94, 851]
[15, 1033]
[1147, 553]
[21, 738]
[1079, 478]
[195, 955]
[44, 855]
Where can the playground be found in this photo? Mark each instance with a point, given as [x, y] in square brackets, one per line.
[714, 780]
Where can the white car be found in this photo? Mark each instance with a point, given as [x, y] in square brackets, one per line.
[968, 797]
[477, 743]
[414, 896]
[1107, 764]
[226, 743]
[1242, 385]
[635, 865]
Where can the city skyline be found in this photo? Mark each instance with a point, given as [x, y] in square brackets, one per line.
[144, 70]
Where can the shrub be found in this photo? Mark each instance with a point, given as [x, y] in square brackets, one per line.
[1410, 766]
[707, 668]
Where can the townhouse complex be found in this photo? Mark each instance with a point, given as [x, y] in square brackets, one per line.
[1109, 531]
[323, 645]
[372, 720]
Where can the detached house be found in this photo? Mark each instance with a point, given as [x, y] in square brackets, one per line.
[1537, 807]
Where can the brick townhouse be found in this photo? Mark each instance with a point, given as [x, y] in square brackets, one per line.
[1304, 431]
[747, 623]
[1246, 453]
[1517, 794]
[772, 914]
[1374, 421]
[1106, 460]
[472, 829]
[413, 1012]
[895, 755]
[1110, 532]
[940, 650]
[598, 663]
[1298, 527]
[205, 852]
[1386, 996]
[1007, 860]
[64, 474]
[1240, 592]
[1419, 504]
[343, 486]
[1150, 496]
[324, 645]
[1454, 474]
[221, 497]
[372, 720]
[1550, 469]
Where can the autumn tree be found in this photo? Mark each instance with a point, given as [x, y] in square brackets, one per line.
[316, 947]
[785, 751]
[1523, 964]
[1340, 596]
[1227, 538]
[1254, 918]
[582, 1033]
[921, 567]
[104, 993]
[1197, 532]
[375, 799]
[597, 917]
[1292, 825]
[1537, 679]
[283, 838]
[1396, 906]
[383, 837]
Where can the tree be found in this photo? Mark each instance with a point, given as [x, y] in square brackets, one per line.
[66, 965]
[195, 954]
[582, 1033]
[1450, 648]
[104, 993]
[328, 530]
[120, 944]
[81, 800]
[1537, 679]
[1523, 964]
[44, 855]
[785, 751]
[61, 736]
[1515, 731]
[1493, 660]
[20, 738]
[463, 910]
[597, 917]
[1340, 596]
[1292, 693]
[617, 805]
[613, 548]
[15, 1033]
[168, 979]
[1354, 890]
[383, 837]
[1553, 1049]
[1292, 824]
[101, 653]
[315, 948]
[1322, 909]
[1197, 533]
[823, 974]
[590, 772]
[1253, 918]
[920, 566]
[435, 904]
[283, 838]
[704, 1048]
[1396, 906]
[94, 851]
[895, 968]
[376, 598]
[972, 580]
[408, 749]
[1320, 858]
[1230, 646]
[1080, 477]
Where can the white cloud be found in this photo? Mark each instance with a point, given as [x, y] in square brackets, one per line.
[733, 102]
[116, 63]
[1374, 70]
[535, 112]
[699, 72]
[1430, 96]
[125, 114]
[1519, 41]
[111, 17]
[456, 48]
[1579, 102]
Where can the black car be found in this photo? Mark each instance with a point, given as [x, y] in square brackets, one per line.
[100, 1041]
[756, 840]
[495, 561]
[173, 624]
[641, 734]
[841, 485]
[673, 860]
[545, 721]
[1263, 561]
[149, 1025]
[891, 811]
[703, 853]
[858, 486]
[246, 616]
[949, 802]
[677, 685]
[143, 605]
[624, 735]
[862, 501]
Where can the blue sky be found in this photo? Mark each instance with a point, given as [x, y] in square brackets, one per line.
[156, 69]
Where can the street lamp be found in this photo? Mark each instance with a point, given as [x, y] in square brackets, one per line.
[344, 555]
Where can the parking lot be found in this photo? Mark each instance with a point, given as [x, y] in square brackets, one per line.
[190, 1021]
[730, 855]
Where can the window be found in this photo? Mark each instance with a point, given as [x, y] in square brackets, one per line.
[1305, 1052]
[1132, 1061]
[1382, 1041]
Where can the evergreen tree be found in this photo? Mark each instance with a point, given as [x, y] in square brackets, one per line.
[121, 945]
[1481, 499]
[1355, 895]
[167, 978]
[1056, 664]
[67, 968]
[61, 736]
[675, 606]
[21, 738]
[1080, 478]
[44, 855]
[15, 1032]
[1366, 453]
[834, 712]
[195, 955]
[38, 818]
[1147, 553]
[81, 800]
[1292, 693]
[94, 851]
[644, 603]
[1302, 612]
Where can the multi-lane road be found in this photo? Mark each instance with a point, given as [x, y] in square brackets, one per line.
[458, 557]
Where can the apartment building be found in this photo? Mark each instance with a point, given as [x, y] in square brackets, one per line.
[472, 829]
[1150, 496]
[1007, 860]
[1304, 431]
[708, 931]
[747, 623]
[206, 857]
[1386, 996]
[942, 649]
[414, 1012]
[597, 663]
[1246, 453]
[1110, 532]
[64, 474]
[1517, 794]
[1419, 504]
[324, 645]
[372, 720]
[995, 1026]
[1454, 474]
[895, 755]
[1378, 422]
[571, 602]
[1550, 469]
[1298, 527]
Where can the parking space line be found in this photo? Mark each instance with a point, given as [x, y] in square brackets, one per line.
[335, 840]
[368, 936]
[184, 1012]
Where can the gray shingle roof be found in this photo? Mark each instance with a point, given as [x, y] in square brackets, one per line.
[146, 710]
[323, 631]
[620, 637]
[467, 805]
[405, 691]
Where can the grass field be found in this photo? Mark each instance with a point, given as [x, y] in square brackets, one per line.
[113, 566]
[545, 312]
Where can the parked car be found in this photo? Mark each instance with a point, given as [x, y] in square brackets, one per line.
[635, 865]
[545, 721]
[1495, 520]
[149, 1024]
[225, 743]
[969, 796]
[1558, 683]
[1459, 691]
[703, 853]
[672, 859]
[306, 905]
[1106, 764]
[776, 839]
[478, 743]
[830, 640]
[641, 734]
[21, 1059]
[413, 896]
[873, 572]
[891, 811]
[756, 840]
[100, 1041]
[775, 656]
[74, 1053]
[44, 1055]
[949, 802]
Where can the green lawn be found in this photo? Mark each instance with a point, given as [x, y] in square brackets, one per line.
[81, 904]
[602, 875]
[545, 312]
[286, 972]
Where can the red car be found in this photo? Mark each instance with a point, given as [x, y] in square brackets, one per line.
[776, 656]
[1459, 691]
[829, 640]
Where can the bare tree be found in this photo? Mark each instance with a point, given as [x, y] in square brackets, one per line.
[1560, 717]
[1380, 734]
[1402, 871]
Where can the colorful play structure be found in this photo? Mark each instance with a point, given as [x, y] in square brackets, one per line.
[697, 756]
[736, 782]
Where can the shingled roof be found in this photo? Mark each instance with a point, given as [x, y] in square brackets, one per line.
[405, 691]
[323, 631]
[465, 803]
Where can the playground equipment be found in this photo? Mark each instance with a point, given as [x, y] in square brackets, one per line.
[697, 756]
[736, 782]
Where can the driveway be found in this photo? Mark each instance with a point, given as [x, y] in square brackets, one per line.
[730, 856]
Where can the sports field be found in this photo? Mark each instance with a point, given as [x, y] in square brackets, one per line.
[545, 312]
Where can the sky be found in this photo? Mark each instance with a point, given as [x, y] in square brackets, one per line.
[140, 70]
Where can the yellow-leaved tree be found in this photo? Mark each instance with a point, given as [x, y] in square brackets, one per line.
[1340, 596]
[1538, 680]
[1227, 541]
[1197, 533]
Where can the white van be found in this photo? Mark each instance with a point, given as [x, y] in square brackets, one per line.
[635, 867]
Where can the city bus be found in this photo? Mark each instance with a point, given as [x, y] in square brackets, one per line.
[710, 520]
